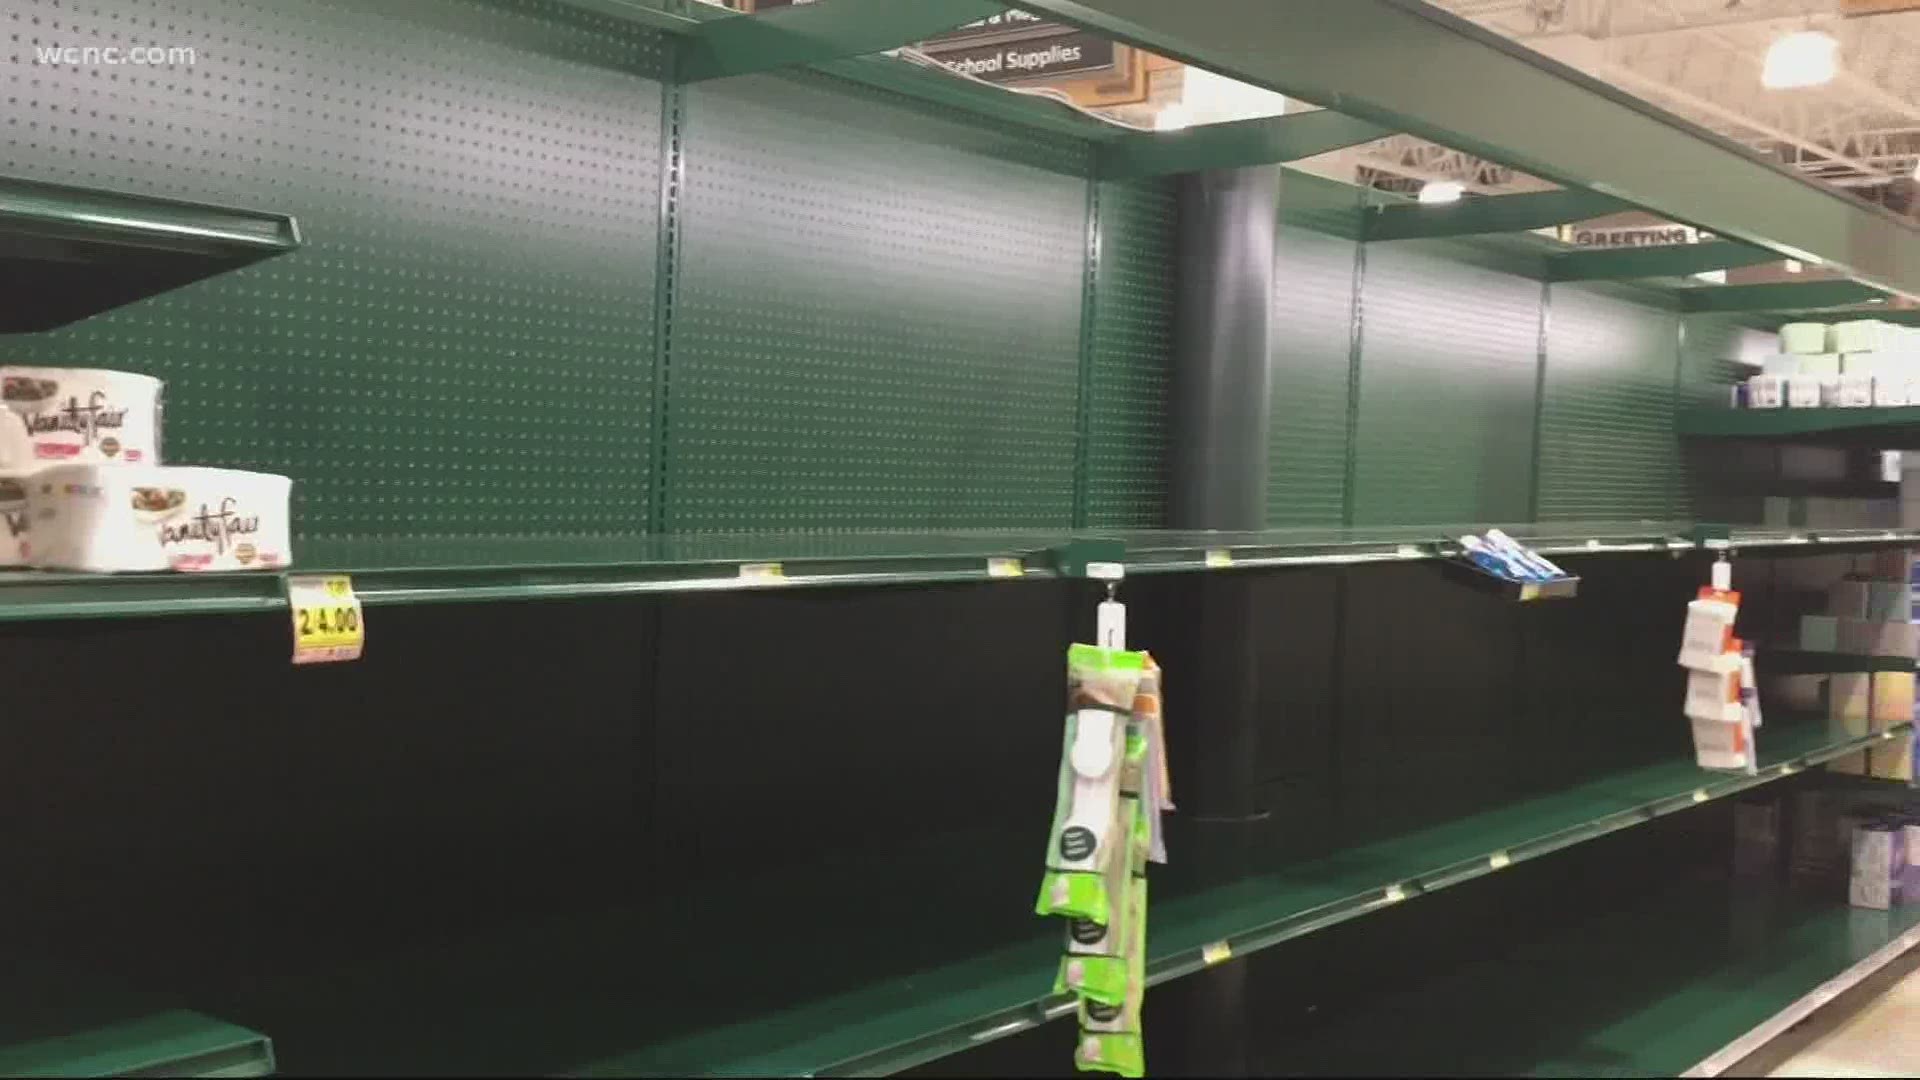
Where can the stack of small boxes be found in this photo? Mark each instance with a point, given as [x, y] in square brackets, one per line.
[1864, 363]
[1869, 615]
[1721, 701]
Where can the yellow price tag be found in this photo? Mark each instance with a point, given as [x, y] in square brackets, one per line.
[1001, 567]
[1395, 894]
[1499, 860]
[1219, 558]
[1217, 953]
[763, 573]
[1529, 592]
[328, 624]
[1700, 795]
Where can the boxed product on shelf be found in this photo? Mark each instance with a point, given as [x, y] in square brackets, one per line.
[14, 519]
[1891, 564]
[1859, 335]
[1862, 637]
[1879, 866]
[1803, 392]
[1819, 633]
[1892, 699]
[1803, 337]
[1850, 703]
[1874, 601]
[1891, 391]
[1847, 392]
[1892, 760]
[78, 415]
[1910, 888]
[1766, 392]
[156, 517]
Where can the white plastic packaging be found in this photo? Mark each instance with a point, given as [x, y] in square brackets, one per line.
[1803, 392]
[149, 517]
[1858, 335]
[1766, 392]
[14, 519]
[1847, 392]
[1804, 337]
[75, 415]
[1889, 391]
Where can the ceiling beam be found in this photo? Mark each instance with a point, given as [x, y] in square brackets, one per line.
[1779, 296]
[1407, 65]
[1492, 214]
[812, 33]
[1663, 260]
[1260, 141]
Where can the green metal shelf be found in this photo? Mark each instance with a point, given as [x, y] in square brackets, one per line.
[1886, 429]
[391, 572]
[587, 989]
[164, 1044]
[1668, 986]
[1799, 662]
[67, 253]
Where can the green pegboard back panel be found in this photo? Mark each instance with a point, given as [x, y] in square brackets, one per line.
[1607, 447]
[464, 346]
[1313, 312]
[1709, 345]
[877, 315]
[1132, 343]
[1448, 363]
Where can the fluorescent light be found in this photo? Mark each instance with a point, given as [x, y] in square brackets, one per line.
[1794, 266]
[1805, 58]
[1441, 191]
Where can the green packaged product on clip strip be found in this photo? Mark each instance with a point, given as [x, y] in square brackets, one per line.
[1093, 937]
[1087, 827]
[1110, 1034]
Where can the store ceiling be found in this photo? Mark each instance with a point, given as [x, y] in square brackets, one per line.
[1702, 59]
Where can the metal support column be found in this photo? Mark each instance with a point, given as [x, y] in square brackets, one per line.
[1221, 395]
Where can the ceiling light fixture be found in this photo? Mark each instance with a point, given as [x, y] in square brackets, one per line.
[1434, 192]
[1803, 58]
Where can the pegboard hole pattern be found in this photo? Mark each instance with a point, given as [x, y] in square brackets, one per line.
[875, 325]
[1132, 339]
[1449, 361]
[464, 346]
[1607, 446]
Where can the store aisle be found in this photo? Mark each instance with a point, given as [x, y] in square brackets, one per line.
[1880, 1038]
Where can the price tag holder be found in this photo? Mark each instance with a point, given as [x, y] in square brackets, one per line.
[1219, 558]
[328, 624]
[1005, 568]
[763, 573]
